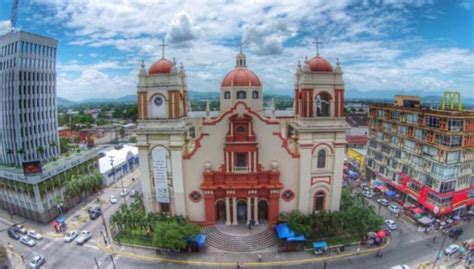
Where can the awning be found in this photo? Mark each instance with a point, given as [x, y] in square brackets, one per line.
[284, 231]
[61, 219]
[296, 238]
[320, 244]
[417, 210]
[353, 174]
[425, 220]
[382, 188]
[391, 194]
[201, 239]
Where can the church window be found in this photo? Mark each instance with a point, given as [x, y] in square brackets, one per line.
[255, 94]
[227, 95]
[241, 159]
[322, 158]
[195, 196]
[323, 105]
[319, 200]
[240, 129]
[241, 95]
[288, 195]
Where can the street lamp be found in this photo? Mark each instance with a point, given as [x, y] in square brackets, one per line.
[440, 249]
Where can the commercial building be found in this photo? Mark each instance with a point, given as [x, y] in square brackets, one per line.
[27, 98]
[32, 172]
[241, 163]
[117, 161]
[425, 154]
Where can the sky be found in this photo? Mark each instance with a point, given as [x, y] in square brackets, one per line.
[414, 46]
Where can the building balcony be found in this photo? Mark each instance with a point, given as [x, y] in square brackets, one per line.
[241, 179]
[241, 169]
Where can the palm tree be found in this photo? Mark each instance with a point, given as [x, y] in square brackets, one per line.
[40, 150]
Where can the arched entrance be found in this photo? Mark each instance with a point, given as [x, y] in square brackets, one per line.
[220, 211]
[242, 211]
[262, 210]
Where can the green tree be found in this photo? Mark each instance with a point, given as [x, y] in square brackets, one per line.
[173, 234]
[63, 144]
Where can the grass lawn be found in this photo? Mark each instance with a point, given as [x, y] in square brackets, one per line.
[134, 240]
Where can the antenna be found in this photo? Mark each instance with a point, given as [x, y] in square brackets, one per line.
[13, 14]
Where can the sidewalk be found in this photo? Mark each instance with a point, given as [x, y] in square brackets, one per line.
[230, 259]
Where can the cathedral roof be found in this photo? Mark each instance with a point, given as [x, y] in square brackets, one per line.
[241, 76]
[162, 66]
[319, 64]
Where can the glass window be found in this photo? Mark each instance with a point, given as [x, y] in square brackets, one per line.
[402, 130]
[255, 94]
[321, 158]
[455, 125]
[227, 95]
[396, 115]
[432, 121]
[241, 95]
[319, 200]
[453, 157]
[412, 118]
[381, 113]
[430, 151]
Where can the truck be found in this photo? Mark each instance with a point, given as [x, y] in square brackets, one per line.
[83, 237]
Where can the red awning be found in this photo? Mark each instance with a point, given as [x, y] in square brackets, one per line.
[417, 210]
[382, 188]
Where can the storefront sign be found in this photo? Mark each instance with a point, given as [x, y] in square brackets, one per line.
[160, 174]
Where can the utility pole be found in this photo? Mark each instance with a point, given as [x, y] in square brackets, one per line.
[121, 181]
[440, 249]
[112, 259]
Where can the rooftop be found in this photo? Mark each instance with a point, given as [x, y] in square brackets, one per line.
[119, 156]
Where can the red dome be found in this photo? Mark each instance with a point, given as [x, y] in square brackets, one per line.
[162, 66]
[241, 77]
[319, 64]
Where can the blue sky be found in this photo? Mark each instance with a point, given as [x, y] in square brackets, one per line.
[419, 46]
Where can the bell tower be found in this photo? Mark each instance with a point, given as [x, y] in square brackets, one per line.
[162, 134]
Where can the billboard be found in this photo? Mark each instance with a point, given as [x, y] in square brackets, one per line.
[32, 168]
[160, 174]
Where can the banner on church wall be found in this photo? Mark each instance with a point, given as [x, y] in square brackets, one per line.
[160, 175]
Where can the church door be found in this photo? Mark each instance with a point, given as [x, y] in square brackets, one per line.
[220, 211]
[242, 211]
[262, 210]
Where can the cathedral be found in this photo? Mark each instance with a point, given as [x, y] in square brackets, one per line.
[246, 161]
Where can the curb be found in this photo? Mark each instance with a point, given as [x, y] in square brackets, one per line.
[110, 250]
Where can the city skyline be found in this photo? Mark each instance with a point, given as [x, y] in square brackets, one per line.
[101, 44]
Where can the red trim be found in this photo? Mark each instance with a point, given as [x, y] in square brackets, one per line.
[232, 110]
[322, 179]
[329, 146]
[194, 200]
[196, 146]
[285, 198]
[284, 144]
[315, 199]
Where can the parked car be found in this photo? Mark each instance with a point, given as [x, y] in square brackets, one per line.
[95, 213]
[383, 202]
[134, 193]
[392, 225]
[455, 232]
[70, 236]
[368, 194]
[395, 209]
[124, 192]
[451, 249]
[113, 199]
[37, 261]
[13, 234]
[27, 241]
[35, 235]
[365, 187]
[83, 237]
[20, 228]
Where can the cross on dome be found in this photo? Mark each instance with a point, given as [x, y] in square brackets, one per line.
[163, 45]
[317, 43]
[241, 44]
[240, 58]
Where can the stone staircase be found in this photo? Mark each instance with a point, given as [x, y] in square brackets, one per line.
[240, 243]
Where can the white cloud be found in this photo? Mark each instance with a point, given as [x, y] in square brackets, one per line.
[181, 29]
[5, 27]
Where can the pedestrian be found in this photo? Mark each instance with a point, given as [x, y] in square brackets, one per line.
[358, 251]
[378, 253]
[434, 239]
[259, 257]
[242, 265]
[238, 265]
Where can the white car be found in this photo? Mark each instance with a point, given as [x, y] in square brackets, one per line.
[395, 209]
[451, 249]
[20, 228]
[37, 261]
[392, 225]
[383, 202]
[368, 194]
[71, 235]
[124, 192]
[27, 241]
[34, 234]
[83, 237]
[113, 199]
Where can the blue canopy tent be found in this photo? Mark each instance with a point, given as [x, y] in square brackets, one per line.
[319, 247]
[391, 194]
[288, 240]
[353, 174]
[198, 242]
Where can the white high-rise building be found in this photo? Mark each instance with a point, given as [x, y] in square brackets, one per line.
[28, 116]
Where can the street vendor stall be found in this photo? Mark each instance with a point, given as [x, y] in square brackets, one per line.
[425, 221]
[287, 239]
[319, 247]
